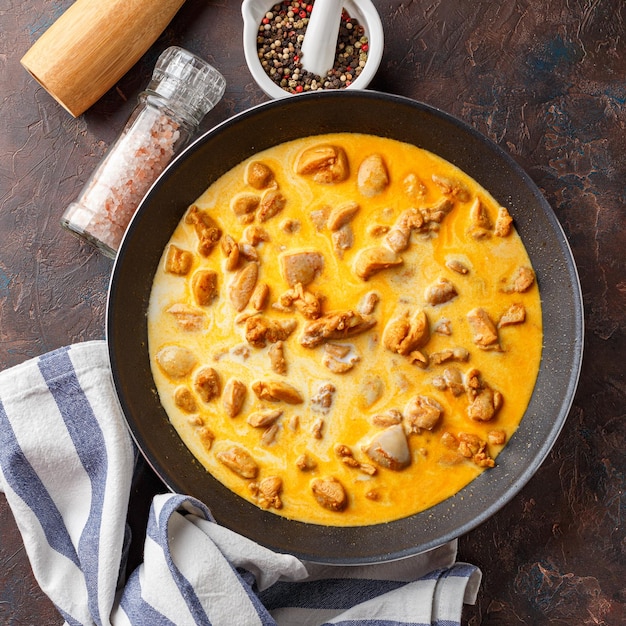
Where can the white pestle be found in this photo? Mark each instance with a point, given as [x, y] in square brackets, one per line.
[320, 39]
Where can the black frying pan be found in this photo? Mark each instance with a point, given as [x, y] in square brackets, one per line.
[390, 116]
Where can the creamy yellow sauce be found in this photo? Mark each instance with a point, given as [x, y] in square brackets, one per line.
[437, 470]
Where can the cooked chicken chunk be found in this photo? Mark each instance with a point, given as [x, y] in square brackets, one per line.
[370, 261]
[259, 175]
[372, 177]
[342, 215]
[207, 384]
[335, 325]
[389, 448]
[260, 330]
[405, 334]
[521, 281]
[204, 287]
[177, 260]
[325, 163]
[242, 285]
[504, 223]
[515, 314]
[240, 461]
[483, 329]
[301, 267]
[207, 230]
[422, 412]
[440, 292]
[452, 187]
[176, 361]
[233, 397]
[329, 493]
[276, 391]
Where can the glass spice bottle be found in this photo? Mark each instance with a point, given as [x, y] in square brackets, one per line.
[183, 89]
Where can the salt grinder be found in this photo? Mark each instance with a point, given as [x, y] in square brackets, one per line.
[183, 89]
[92, 45]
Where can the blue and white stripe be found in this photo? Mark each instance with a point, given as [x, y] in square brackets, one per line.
[66, 465]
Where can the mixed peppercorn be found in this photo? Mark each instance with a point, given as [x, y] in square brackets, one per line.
[279, 43]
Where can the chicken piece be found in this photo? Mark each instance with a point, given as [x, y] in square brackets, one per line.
[485, 405]
[184, 400]
[483, 329]
[260, 330]
[368, 303]
[434, 214]
[399, 237]
[480, 222]
[204, 287]
[329, 493]
[372, 177]
[504, 223]
[496, 437]
[305, 463]
[390, 418]
[322, 401]
[230, 250]
[259, 175]
[457, 266]
[414, 187]
[422, 412]
[454, 381]
[278, 362]
[240, 461]
[515, 314]
[301, 267]
[440, 292]
[452, 187]
[207, 384]
[176, 361]
[339, 358]
[405, 334]
[207, 230]
[343, 239]
[371, 389]
[267, 492]
[272, 203]
[342, 215]
[233, 397]
[389, 448]
[450, 354]
[242, 286]
[276, 391]
[263, 417]
[254, 235]
[308, 304]
[177, 260]
[473, 447]
[244, 205]
[187, 318]
[206, 436]
[521, 281]
[347, 458]
[260, 296]
[370, 261]
[335, 325]
[325, 163]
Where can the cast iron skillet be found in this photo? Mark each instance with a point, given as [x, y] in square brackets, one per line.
[390, 116]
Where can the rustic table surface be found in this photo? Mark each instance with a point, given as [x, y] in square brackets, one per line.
[546, 80]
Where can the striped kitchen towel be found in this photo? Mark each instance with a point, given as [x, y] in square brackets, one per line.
[66, 465]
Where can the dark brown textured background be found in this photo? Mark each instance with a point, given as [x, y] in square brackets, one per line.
[546, 80]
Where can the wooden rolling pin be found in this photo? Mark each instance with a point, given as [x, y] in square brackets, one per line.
[93, 44]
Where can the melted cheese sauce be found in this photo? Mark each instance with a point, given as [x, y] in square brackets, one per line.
[381, 380]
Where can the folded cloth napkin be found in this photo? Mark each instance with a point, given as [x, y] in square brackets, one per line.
[66, 466]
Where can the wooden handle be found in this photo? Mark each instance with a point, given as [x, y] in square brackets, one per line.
[93, 44]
